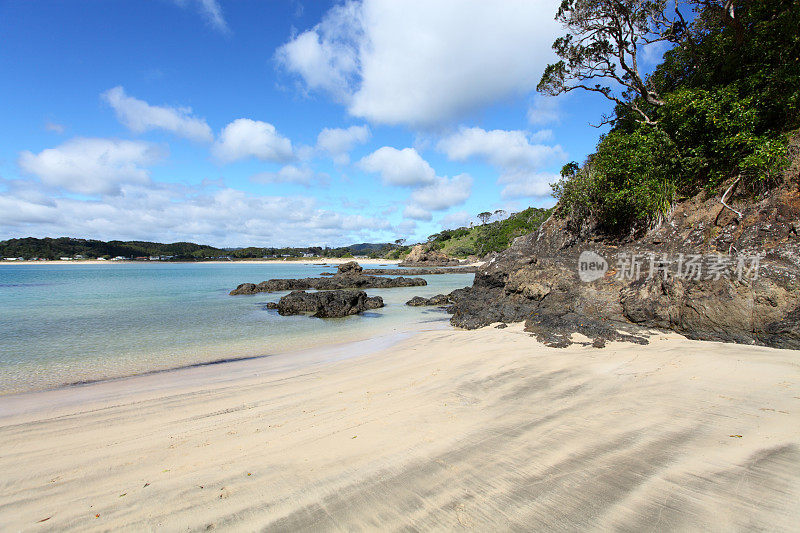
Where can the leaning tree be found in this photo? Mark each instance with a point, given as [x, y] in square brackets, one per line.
[601, 50]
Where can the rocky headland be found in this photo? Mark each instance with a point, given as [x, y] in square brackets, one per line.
[708, 272]
[349, 276]
[326, 304]
[420, 256]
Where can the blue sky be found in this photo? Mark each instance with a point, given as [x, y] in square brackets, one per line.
[277, 122]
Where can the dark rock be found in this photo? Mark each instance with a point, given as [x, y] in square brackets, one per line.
[351, 267]
[501, 325]
[417, 301]
[556, 330]
[416, 271]
[373, 302]
[439, 299]
[327, 304]
[349, 276]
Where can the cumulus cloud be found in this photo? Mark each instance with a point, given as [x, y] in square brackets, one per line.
[244, 138]
[526, 184]
[399, 167]
[457, 219]
[139, 116]
[443, 193]
[92, 166]
[339, 141]
[211, 11]
[544, 110]
[292, 174]
[415, 212]
[517, 155]
[168, 213]
[423, 63]
[326, 57]
[502, 148]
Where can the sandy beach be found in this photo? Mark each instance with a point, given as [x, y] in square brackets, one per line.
[443, 430]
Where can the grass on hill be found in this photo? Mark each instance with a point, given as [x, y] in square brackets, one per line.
[492, 237]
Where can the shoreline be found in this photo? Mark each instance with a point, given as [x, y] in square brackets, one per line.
[306, 352]
[440, 430]
[320, 261]
[172, 380]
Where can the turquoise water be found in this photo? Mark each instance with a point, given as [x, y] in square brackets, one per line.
[73, 323]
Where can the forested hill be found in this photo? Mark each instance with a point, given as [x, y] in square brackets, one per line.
[491, 236]
[50, 248]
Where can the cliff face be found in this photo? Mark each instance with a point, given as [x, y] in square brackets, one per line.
[706, 273]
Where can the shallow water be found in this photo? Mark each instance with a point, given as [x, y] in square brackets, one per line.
[75, 323]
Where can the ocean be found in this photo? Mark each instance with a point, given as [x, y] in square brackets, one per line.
[75, 323]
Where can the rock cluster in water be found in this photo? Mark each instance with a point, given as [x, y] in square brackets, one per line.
[349, 276]
[439, 299]
[326, 304]
[416, 271]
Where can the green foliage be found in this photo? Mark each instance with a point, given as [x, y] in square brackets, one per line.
[491, 237]
[731, 95]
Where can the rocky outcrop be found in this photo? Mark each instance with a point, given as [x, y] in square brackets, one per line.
[349, 276]
[326, 304]
[421, 256]
[439, 299]
[351, 267]
[696, 274]
[416, 271]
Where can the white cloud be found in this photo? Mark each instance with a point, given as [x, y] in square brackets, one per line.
[292, 174]
[515, 153]
[339, 141]
[456, 220]
[55, 128]
[527, 184]
[244, 138]
[415, 212]
[139, 116]
[542, 136]
[443, 193]
[501, 148]
[211, 10]
[399, 167]
[92, 166]
[326, 57]
[544, 110]
[424, 63]
[168, 213]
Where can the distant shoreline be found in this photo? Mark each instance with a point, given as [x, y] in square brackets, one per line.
[307, 261]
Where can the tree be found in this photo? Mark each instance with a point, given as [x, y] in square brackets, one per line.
[500, 213]
[602, 47]
[400, 242]
[485, 216]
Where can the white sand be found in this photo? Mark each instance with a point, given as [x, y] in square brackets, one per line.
[483, 430]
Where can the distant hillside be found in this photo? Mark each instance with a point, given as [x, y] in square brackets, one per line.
[49, 248]
[491, 237]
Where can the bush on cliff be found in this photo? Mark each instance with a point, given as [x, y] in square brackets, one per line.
[729, 94]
